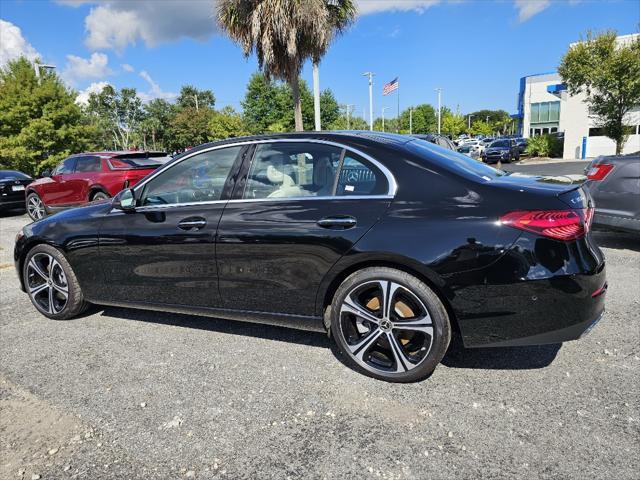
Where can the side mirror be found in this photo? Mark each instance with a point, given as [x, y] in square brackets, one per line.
[45, 173]
[125, 201]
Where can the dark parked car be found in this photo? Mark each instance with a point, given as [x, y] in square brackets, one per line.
[438, 140]
[390, 242]
[503, 150]
[614, 183]
[13, 185]
[88, 177]
[522, 144]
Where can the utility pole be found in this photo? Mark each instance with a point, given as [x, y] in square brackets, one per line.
[470, 123]
[383, 109]
[349, 105]
[370, 75]
[37, 66]
[410, 120]
[195, 96]
[439, 90]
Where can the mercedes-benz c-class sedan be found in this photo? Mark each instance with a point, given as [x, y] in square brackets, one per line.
[388, 242]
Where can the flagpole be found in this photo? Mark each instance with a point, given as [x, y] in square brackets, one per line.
[398, 122]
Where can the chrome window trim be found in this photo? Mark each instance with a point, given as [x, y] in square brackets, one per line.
[392, 187]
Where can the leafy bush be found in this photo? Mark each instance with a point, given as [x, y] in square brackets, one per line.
[544, 146]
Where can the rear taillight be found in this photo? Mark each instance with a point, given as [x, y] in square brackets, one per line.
[599, 172]
[556, 224]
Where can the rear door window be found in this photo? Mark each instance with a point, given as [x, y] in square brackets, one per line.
[88, 164]
[359, 177]
[66, 166]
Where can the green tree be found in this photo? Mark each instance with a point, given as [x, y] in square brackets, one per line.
[453, 124]
[283, 35]
[119, 113]
[158, 115]
[226, 123]
[189, 127]
[609, 75]
[480, 127]
[329, 107]
[423, 120]
[191, 97]
[40, 122]
[350, 123]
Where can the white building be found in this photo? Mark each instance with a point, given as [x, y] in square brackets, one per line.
[544, 106]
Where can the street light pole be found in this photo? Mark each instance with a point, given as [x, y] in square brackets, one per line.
[383, 109]
[470, 122]
[316, 96]
[439, 90]
[370, 75]
[349, 105]
[410, 120]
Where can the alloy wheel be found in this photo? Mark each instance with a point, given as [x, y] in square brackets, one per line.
[386, 327]
[47, 283]
[35, 207]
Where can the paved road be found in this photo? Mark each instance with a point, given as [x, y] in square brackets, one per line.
[132, 394]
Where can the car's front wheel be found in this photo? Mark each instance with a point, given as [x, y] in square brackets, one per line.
[98, 196]
[51, 283]
[390, 325]
[35, 207]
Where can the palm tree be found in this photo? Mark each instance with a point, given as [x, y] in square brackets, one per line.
[283, 34]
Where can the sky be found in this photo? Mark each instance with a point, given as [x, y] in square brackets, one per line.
[476, 51]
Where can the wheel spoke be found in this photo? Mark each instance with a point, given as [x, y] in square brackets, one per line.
[360, 348]
[351, 306]
[38, 288]
[403, 364]
[423, 325]
[36, 268]
[390, 293]
[51, 309]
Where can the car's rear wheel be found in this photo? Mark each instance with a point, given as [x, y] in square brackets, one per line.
[97, 196]
[51, 283]
[35, 207]
[389, 325]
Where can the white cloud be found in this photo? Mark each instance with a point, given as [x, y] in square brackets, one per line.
[83, 96]
[127, 68]
[13, 44]
[154, 90]
[116, 24]
[79, 68]
[529, 8]
[375, 6]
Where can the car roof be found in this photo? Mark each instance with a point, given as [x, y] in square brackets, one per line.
[117, 153]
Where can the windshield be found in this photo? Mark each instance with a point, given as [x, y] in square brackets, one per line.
[454, 161]
[12, 174]
[500, 143]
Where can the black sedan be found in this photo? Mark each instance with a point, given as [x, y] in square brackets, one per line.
[389, 242]
[12, 188]
[503, 150]
[614, 183]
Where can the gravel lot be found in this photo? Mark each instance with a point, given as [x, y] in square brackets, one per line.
[131, 394]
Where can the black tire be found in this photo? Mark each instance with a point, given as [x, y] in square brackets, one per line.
[376, 360]
[99, 195]
[46, 285]
[35, 207]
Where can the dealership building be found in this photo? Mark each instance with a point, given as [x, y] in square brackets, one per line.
[544, 106]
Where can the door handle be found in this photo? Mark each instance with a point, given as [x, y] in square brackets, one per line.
[192, 223]
[337, 223]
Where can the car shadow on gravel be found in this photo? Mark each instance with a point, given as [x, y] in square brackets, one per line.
[16, 212]
[616, 239]
[510, 358]
[502, 358]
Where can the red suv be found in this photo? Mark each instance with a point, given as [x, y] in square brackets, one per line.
[87, 177]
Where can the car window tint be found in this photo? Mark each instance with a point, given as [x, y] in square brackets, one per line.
[88, 164]
[66, 166]
[289, 170]
[199, 178]
[359, 177]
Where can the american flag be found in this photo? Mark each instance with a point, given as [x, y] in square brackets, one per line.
[390, 87]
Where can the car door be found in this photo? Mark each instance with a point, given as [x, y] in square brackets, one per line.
[86, 172]
[57, 191]
[297, 208]
[164, 251]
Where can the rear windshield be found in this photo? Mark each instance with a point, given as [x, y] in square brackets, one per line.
[139, 160]
[454, 161]
[12, 174]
